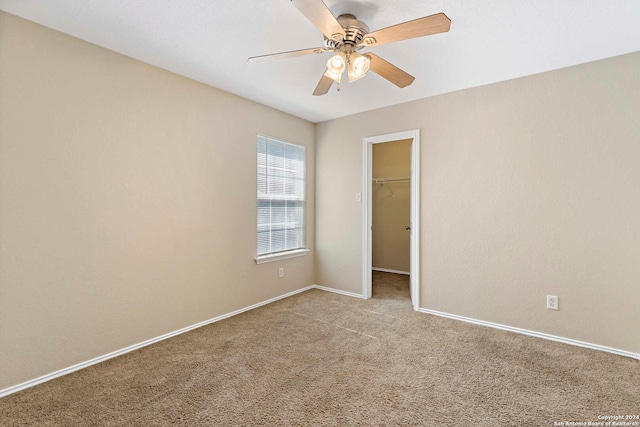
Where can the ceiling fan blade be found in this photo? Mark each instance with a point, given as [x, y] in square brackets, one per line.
[433, 24]
[323, 86]
[289, 54]
[389, 71]
[320, 15]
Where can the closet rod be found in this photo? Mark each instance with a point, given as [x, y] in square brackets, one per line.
[391, 179]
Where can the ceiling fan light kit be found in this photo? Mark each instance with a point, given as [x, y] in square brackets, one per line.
[346, 35]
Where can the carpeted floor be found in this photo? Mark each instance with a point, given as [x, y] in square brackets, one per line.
[319, 358]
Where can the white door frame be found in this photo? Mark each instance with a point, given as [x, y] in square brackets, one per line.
[367, 177]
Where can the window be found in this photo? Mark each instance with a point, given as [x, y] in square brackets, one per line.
[281, 198]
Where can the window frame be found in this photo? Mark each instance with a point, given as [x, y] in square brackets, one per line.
[290, 253]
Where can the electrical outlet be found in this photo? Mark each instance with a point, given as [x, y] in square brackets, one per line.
[552, 302]
[281, 272]
[358, 197]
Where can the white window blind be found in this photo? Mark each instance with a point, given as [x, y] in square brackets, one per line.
[281, 196]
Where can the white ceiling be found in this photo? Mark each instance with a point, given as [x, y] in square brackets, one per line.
[210, 41]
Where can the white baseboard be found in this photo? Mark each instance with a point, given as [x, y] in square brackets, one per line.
[82, 365]
[533, 333]
[338, 291]
[386, 270]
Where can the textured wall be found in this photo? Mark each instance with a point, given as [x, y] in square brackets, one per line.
[528, 187]
[127, 202]
[391, 206]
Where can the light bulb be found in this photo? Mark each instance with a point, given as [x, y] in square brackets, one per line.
[359, 63]
[336, 62]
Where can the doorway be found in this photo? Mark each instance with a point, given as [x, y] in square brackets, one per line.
[369, 180]
[390, 219]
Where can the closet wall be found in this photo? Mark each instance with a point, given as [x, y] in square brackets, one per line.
[391, 204]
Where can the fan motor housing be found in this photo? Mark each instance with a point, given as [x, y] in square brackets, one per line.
[355, 31]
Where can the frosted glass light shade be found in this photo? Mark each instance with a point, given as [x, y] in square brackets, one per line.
[336, 66]
[358, 66]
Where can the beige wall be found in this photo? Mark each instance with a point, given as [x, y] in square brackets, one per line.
[528, 187]
[391, 206]
[127, 202]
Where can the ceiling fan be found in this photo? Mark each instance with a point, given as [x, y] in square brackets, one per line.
[346, 35]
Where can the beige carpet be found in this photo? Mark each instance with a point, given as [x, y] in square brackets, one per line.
[319, 358]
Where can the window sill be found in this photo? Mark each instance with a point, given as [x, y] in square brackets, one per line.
[280, 256]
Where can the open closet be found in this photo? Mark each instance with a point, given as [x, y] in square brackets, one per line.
[391, 213]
